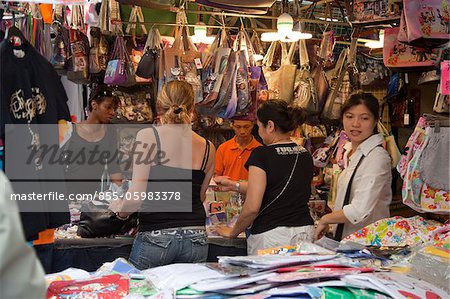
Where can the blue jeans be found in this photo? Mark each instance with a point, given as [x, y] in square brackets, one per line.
[167, 246]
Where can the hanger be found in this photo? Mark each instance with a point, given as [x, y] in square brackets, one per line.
[437, 121]
[13, 34]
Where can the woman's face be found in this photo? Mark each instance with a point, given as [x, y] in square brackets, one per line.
[359, 123]
[105, 110]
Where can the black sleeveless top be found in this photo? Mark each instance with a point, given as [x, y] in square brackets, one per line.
[169, 179]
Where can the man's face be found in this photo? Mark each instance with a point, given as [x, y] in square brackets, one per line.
[242, 128]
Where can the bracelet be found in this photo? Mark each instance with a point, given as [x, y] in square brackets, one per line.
[122, 218]
[237, 186]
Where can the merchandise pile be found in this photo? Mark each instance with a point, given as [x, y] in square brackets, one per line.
[341, 270]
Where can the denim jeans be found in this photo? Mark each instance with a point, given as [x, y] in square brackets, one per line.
[167, 246]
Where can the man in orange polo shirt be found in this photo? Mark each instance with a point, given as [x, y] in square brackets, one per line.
[232, 155]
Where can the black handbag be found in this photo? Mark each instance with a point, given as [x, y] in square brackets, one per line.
[99, 221]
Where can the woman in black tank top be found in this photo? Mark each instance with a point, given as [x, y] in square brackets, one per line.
[167, 189]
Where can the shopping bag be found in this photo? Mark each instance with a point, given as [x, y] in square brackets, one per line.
[78, 67]
[373, 11]
[342, 85]
[120, 69]
[400, 56]
[305, 93]
[425, 22]
[280, 81]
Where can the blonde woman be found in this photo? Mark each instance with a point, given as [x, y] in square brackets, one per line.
[170, 232]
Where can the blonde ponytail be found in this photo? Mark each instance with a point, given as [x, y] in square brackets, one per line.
[176, 99]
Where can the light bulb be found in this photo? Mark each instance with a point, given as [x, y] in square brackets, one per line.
[270, 36]
[377, 43]
[200, 29]
[296, 35]
[200, 35]
[285, 23]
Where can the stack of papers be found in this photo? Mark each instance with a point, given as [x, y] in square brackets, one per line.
[265, 262]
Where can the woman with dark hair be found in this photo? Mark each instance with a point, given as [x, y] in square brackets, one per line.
[364, 187]
[279, 183]
[92, 141]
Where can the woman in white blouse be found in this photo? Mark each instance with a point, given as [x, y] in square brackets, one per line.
[364, 187]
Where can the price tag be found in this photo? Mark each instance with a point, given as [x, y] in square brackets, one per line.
[406, 119]
[445, 77]
[198, 63]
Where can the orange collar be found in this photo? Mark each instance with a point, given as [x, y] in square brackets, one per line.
[253, 144]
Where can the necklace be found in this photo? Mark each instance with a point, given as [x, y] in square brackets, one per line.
[284, 140]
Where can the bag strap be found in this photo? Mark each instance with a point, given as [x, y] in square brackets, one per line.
[342, 69]
[340, 227]
[303, 53]
[268, 58]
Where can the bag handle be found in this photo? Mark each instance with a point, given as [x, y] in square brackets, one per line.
[382, 128]
[284, 188]
[268, 58]
[213, 50]
[342, 69]
[303, 53]
[114, 51]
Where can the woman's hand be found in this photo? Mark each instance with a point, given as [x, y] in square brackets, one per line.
[321, 229]
[224, 231]
[224, 183]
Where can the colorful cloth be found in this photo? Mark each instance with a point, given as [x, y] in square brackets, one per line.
[399, 231]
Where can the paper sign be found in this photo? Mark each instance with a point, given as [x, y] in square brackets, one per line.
[445, 77]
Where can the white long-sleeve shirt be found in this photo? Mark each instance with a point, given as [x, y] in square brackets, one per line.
[370, 194]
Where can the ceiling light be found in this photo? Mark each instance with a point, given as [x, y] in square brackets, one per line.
[285, 24]
[376, 44]
[258, 57]
[270, 36]
[200, 35]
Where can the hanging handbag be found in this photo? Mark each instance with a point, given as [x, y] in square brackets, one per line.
[245, 59]
[371, 71]
[326, 50]
[98, 54]
[61, 46]
[215, 69]
[425, 22]
[120, 70]
[148, 66]
[78, 69]
[342, 85]
[305, 95]
[180, 59]
[372, 11]
[227, 102]
[280, 81]
[389, 144]
[399, 56]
